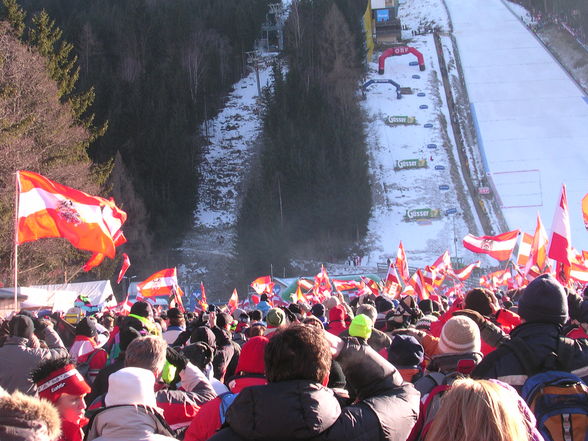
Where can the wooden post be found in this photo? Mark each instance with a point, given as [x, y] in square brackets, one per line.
[16, 188]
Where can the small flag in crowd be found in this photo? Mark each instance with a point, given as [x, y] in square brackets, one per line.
[465, 273]
[561, 239]
[499, 247]
[233, 301]
[263, 285]
[402, 263]
[162, 283]
[126, 264]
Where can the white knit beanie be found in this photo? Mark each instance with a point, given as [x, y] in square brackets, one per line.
[131, 385]
[460, 335]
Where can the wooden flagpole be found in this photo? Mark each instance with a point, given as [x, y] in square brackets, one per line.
[16, 192]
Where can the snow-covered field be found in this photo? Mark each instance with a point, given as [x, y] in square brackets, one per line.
[398, 191]
[532, 120]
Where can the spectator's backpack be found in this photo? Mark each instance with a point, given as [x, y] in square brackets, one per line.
[558, 399]
[84, 367]
[226, 400]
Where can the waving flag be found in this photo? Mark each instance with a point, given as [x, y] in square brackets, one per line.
[402, 263]
[203, 302]
[465, 273]
[263, 285]
[524, 249]
[499, 247]
[233, 301]
[392, 285]
[538, 255]
[418, 284]
[560, 246]
[162, 283]
[126, 264]
[48, 209]
[345, 285]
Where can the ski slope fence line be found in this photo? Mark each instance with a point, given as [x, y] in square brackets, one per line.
[483, 154]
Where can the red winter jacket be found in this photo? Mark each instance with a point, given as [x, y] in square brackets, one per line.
[577, 333]
[337, 322]
[250, 370]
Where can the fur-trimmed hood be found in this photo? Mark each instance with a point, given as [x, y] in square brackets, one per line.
[25, 418]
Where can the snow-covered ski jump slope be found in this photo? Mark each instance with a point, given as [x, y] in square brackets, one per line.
[532, 119]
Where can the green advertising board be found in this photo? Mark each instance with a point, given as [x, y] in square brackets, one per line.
[394, 120]
[410, 163]
[422, 213]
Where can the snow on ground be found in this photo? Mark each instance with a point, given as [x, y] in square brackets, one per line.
[423, 14]
[398, 191]
[531, 118]
[223, 168]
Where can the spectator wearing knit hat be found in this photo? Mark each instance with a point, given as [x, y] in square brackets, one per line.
[318, 310]
[378, 340]
[86, 348]
[337, 322]
[59, 382]
[543, 309]
[407, 355]
[580, 322]
[457, 350]
[275, 319]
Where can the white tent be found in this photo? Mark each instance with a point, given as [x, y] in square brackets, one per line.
[62, 297]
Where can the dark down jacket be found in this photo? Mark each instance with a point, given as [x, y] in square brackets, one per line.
[301, 410]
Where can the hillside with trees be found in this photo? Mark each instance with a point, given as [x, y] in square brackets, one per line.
[310, 196]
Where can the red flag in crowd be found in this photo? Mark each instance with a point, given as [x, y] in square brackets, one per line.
[443, 263]
[263, 285]
[372, 285]
[48, 209]
[233, 301]
[344, 285]
[161, 283]
[561, 239]
[402, 263]
[126, 264]
[203, 302]
[538, 254]
[499, 247]
[465, 273]
[418, 283]
[175, 299]
[524, 249]
[392, 285]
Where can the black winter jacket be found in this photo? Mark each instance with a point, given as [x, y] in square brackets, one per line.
[302, 410]
[543, 339]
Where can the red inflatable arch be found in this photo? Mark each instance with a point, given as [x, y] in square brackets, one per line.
[400, 50]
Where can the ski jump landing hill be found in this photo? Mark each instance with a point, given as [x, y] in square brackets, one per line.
[530, 116]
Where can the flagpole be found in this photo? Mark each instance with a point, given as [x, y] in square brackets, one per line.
[16, 242]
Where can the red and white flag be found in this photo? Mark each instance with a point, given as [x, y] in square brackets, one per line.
[466, 272]
[499, 247]
[579, 272]
[233, 301]
[126, 264]
[343, 285]
[402, 263]
[418, 283]
[560, 246]
[585, 210]
[162, 283]
[263, 285]
[443, 263]
[392, 285]
[524, 249]
[48, 209]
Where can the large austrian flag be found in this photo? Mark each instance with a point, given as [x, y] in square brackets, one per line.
[560, 246]
[162, 283]
[499, 247]
[48, 209]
